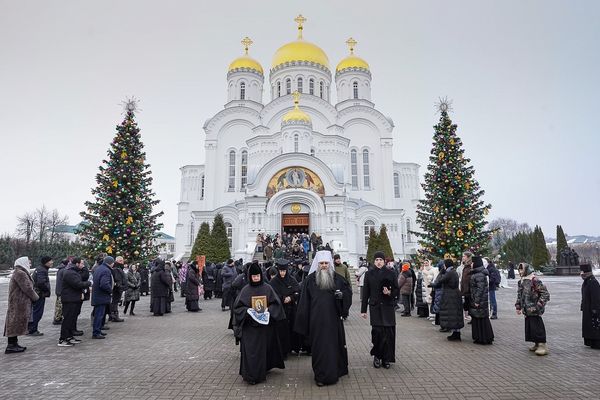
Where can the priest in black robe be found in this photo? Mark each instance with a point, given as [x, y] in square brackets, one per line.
[380, 291]
[324, 301]
[288, 290]
[256, 312]
[590, 306]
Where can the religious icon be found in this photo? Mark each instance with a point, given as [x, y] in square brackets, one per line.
[259, 303]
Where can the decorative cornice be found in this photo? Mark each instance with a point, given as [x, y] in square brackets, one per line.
[245, 69]
[301, 64]
[353, 69]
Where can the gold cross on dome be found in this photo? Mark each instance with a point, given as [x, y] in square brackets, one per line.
[300, 20]
[351, 44]
[247, 42]
[296, 96]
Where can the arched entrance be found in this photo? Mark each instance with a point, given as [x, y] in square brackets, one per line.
[296, 211]
[295, 218]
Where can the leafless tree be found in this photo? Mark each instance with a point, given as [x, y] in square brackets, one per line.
[41, 225]
[54, 221]
[42, 214]
[506, 229]
[26, 226]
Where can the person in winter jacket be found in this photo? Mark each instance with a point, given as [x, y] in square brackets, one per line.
[145, 281]
[18, 312]
[590, 306]
[228, 274]
[405, 283]
[494, 283]
[41, 285]
[102, 289]
[421, 295]
[450, 306]
[134, 281]
[363, 267]
[192, 295]
[71, 296]
[532, 297]
[57, 289]
[478, 305]
[160, 288]
[429, 276]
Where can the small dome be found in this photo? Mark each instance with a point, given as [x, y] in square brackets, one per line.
[296, 114]
[300, 50]
[352, 61]
[245, 61]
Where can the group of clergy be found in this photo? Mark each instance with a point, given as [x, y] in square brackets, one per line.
[275, 318]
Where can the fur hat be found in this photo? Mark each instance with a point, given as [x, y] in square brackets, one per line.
[477, 262]
[379, 254]
[585, 268]
[45, 260]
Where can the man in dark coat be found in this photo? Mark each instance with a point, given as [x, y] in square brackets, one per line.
[145, 281]
[450, 307]
[41, 285]
[590, 305]
[380, 290]
[57, 288]
[72, 297]
[288, 290]
[324, 301]
[120, 286]
[256, 311]
[208, 280]
[494, 282]
[228, 274]
[101, 294]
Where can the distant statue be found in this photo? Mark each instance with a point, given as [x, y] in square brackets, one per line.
[568, 258]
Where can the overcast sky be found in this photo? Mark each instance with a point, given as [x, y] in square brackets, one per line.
[523, 77]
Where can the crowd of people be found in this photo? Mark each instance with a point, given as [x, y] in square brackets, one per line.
[281, 306]
[291, 246]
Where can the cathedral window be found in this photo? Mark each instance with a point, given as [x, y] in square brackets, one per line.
[296, 143]
[278, 88]
[300, 85]
[191, 236]
[396, 185]
[408, 232]
[288, 86]
[311, 86]
[244, 171]
[368, 225]
[355, 89]
[229, 230]
[242, 91]
[231, 186]
[202, 187]
[366, 170]
[354, 169]
[321, 89]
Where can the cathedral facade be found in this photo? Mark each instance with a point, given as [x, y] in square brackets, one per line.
[300, 161]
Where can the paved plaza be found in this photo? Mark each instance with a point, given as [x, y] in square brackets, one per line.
[193, 356]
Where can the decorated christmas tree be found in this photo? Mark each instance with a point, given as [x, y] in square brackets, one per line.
[452, 214]
[120, 221]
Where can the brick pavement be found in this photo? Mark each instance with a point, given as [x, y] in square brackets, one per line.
[193, 356]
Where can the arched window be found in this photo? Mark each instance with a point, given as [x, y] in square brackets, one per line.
[300, 85]
[396, 185]
[408, 232]
[242, 91]
[244, 171]
[366, 175]
[354, 169]
[355, 89]
[278, 88]
[231, 186]
[311, 86]
[296, 143]
[367, 226]
[191, 238]
[321, 89]
[202, 187]
[229, 230]
[288, 86]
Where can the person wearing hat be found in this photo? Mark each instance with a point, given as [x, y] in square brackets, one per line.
[41, 285]
[18, 312]
[590, 306]
[405, 283]
[479, 310]
[256, 312]
[102, 289]
[450, 308]
[342, 269]
[288, 290]
[532, 297]
[380, 291]
[228, 274]
[324, 301]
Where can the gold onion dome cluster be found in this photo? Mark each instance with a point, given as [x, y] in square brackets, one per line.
[246, 62]
[352, 61]
[296, 114]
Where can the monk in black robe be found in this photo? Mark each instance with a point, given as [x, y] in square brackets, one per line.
[257, 310]
[590, 306]
[324, 301]
[380, 291]
[288, 290]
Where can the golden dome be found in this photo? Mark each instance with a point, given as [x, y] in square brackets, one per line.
[246, 61]
[352, 61]
[296, 114]
[300, 50]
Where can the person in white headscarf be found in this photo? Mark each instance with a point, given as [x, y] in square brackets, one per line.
[325, 300]
[20, 297]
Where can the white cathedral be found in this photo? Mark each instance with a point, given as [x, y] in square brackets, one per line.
[300, 161]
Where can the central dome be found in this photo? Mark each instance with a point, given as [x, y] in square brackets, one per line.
[300, 50]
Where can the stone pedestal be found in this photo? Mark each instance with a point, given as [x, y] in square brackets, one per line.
[567, 270]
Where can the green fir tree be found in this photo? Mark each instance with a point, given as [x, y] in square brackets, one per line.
[218, 244]
[202, 242]
[120, 221]
[384, 242]
[561, 242]
[372, 245]
[452, 214]
[540, 256]
[518, 248]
